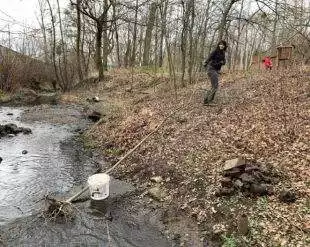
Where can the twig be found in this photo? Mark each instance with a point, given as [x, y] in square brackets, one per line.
[136, 146]
[108, 233]
[126, 155]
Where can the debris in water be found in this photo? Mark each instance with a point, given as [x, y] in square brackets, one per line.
[57, 209]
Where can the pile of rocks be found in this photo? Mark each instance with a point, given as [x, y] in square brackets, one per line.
[12, 130]
[247, 177]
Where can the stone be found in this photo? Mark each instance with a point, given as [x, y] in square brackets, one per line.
[11, 128]
[26, 131]
[287, 196]
[238, 183]
[233, 173]
[219, 229]
[259, 189]
[96, 99]
[234, 163]
[246, 178]
[94, 116]
[226, 182]
[251, 168]
[1, 160]
[157, 179]
[156, 193]
[243, 224]
[24, 152]
[266, 179]
[225, 191]
[306, 227]
[10, 114]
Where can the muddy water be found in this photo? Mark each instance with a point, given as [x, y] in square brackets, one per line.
[53, 165]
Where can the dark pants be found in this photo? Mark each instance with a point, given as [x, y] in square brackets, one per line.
[213, 75]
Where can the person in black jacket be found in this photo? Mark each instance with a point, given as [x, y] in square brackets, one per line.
[213, 64]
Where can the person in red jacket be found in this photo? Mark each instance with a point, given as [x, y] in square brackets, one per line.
[267, 62]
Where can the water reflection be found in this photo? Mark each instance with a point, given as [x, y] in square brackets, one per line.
[51, 165]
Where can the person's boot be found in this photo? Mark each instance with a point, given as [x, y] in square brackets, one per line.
[212, 94]
[210, 97]
[206, 98]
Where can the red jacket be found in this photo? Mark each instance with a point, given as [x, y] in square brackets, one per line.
[267, 62]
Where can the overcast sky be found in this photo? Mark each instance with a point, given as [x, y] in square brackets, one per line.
[22, 11]
[16, 16]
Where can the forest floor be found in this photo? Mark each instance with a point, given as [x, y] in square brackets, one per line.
[262, 117]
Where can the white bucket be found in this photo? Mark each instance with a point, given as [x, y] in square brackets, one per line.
[99, 186]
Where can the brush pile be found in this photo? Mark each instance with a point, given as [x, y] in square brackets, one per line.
[58, 210]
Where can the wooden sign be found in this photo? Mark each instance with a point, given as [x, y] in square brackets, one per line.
[284, 52]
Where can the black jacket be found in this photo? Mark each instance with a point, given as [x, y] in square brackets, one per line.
[216, 59]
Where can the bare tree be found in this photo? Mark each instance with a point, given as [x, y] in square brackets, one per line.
[78, 39]
[148, 33]
[223, 23]
[100, 20]
[53, 41]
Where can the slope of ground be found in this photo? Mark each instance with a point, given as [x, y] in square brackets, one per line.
[261, 117]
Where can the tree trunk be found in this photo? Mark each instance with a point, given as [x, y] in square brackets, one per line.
[274, 29]
[191, 61]
[134, 36]
[64, 55]
[186, 13]
[140, 57]
[53, 42]
[163, 14]
[78, 40]
[118, 55]
[202, 49]
[237, 54]
[148, 34]
[222, 26]
[46, 58]
[127, 56]
[106, 43]
[99, 65]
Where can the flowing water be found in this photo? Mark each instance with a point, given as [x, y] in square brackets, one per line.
[53, 165]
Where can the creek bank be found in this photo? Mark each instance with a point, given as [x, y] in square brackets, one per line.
[188, 152]
[55, 162]
[27, 96]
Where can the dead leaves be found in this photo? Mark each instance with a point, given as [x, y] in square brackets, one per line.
[262, 118]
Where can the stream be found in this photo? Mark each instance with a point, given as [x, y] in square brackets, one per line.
[51, 161]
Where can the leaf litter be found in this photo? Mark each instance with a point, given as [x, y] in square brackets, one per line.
[260, 117]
